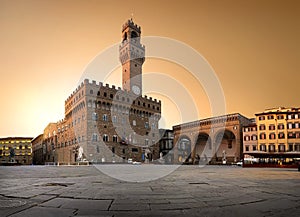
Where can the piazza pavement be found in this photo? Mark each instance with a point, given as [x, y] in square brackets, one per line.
[136, 190]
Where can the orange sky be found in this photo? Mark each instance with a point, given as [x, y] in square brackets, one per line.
[253, 46]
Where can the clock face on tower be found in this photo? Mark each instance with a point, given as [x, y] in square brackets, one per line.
[136, 90]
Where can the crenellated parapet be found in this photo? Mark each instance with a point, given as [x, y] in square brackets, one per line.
[132, 25]
[90, 90]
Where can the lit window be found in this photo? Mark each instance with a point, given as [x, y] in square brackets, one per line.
[134, 122]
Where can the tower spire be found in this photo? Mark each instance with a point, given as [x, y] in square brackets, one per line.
[132, 57]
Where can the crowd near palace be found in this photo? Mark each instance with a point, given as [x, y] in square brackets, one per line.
[108, 124]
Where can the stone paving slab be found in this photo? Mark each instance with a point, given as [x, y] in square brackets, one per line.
[45, 212]
[67, 203]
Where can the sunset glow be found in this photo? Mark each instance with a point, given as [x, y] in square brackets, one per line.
[253, 47]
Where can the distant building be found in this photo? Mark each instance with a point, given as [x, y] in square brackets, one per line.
[250, 138]
[44, 145]
[278, 136]
[37, 150]
[166, 145]
[16, 150]
[213, 140]
[107, 124]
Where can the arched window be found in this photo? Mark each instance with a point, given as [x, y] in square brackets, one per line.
[134, 34]
[105, 138]
[125, 36]
[115, 138]
[90, 103]
[184, 144]
[146, 125]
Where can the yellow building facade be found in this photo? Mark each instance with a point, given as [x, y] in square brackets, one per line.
[278, 136]
[15, 150]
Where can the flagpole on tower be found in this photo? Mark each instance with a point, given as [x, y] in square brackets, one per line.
[131, 16]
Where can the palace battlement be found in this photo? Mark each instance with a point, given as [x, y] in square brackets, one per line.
[97, 85]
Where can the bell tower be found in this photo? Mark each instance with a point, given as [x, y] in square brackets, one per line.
[132, 57]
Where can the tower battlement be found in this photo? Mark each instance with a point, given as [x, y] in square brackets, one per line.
[132, 25]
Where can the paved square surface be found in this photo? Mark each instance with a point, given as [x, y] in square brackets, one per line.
[188, 191]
